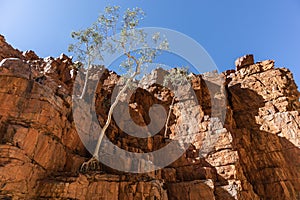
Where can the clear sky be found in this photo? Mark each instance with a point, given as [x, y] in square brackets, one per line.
[269, 29]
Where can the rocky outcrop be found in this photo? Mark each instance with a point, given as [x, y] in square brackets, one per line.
[254, 154]
[269, 155]
[244, 61]
[7, 51]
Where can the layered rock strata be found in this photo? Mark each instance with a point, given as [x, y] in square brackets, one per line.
[254, 154]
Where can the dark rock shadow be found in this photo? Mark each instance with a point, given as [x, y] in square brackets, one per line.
[270, 163]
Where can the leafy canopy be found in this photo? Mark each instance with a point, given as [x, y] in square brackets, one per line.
[112, 33]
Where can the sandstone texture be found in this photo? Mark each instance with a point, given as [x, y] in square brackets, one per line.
[247, 145]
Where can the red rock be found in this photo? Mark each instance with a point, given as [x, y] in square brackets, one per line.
[255, 155]
[244, 61]
[30, 55]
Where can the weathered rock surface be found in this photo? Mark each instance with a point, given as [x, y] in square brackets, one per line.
[244, 61]
[255, 154]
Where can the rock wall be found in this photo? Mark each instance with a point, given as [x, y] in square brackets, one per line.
[255, 156]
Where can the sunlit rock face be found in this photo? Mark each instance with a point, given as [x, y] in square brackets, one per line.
[254, 154]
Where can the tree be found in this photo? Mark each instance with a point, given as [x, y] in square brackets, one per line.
[102, 38]
[174, 79]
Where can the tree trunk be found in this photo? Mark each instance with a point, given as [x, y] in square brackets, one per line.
[96, 152]
[85, 82]
[168, 118]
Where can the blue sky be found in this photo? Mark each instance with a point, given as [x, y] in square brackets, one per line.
[226, 29]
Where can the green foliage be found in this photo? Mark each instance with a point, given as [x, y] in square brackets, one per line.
[176, 77]
[102, 38]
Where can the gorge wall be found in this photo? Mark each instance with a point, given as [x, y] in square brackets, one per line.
[255, 156]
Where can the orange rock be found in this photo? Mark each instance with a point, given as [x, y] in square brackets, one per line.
[254, 155]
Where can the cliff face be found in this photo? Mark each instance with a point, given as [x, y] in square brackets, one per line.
[256, 154]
